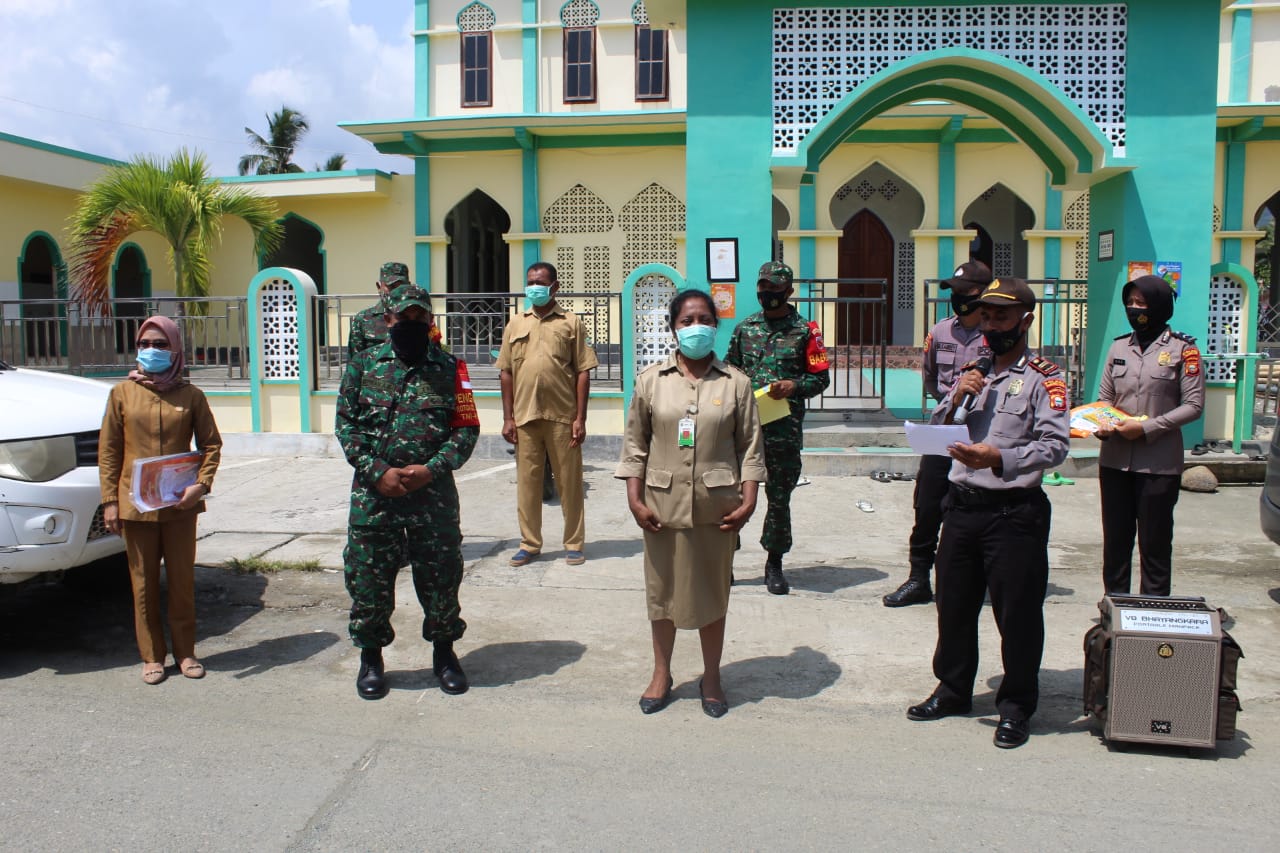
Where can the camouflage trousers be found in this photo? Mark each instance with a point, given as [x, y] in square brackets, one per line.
[373, 557]
[782, 442]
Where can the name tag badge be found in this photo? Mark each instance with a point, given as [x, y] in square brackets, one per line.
[684, 433]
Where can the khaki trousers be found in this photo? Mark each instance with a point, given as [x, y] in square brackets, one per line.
[535, 441]
[147, 543]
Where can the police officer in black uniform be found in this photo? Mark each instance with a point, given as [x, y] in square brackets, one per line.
[995, 534]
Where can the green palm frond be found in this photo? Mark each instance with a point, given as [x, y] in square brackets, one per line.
[175, 198]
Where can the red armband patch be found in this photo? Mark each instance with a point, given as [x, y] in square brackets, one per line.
[1191, 361]
[1057, 391]
[464, 413]
[928, 342]
[816, 353]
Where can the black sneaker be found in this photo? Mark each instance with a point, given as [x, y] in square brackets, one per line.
[913, 591]
[774, 580]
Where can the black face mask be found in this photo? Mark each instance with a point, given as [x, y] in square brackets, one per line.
[1140, 320]
[1003, 342]
[410, 339]
[964, 305]
[771, 300]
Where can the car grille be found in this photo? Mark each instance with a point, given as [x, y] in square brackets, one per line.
[97, 528]
[86, 449]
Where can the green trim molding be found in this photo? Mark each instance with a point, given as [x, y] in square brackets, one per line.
[304, 290]
[629, 320]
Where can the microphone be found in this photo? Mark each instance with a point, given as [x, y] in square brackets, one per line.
[983, 366]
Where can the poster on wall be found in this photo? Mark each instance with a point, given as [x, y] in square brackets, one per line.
[1137, 269]
[722, 259]
[1106, 245]
[722, 295]
[1171, 271]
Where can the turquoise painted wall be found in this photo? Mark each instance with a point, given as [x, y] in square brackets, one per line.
[729, 141]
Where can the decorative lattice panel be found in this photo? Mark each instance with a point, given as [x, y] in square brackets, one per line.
[278, 313]
[639, 14]
[651, 220]
[1226, 320]
[820, 55]
[654, 341]
[596, 275]
[1002, 259]
[904, 276]
[579, 13]
[1217, 218]
[565, 271]
[476, 18]
[1077, 219]
[578, 211]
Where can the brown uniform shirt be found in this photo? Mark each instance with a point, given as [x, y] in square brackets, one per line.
[140, 423]
[687, 486]
[545, 356]
[1022, 412]
[1165, 383]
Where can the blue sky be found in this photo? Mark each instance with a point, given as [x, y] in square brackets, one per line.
[127, 77]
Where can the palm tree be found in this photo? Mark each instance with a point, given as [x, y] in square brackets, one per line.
[335, 163]
[274, 155]
[177, 199]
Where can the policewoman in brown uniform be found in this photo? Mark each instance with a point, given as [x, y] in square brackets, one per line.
[1153, 371]
[693, 459]
[995, 531]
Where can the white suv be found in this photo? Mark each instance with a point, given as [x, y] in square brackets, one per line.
[50, 500]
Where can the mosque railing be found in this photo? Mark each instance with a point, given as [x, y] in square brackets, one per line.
[60, 335]
[854, 316]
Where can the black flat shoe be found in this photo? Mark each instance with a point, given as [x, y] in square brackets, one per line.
[444, 663]
[653, 706]
[1011, 733]
[937, 707]
[712, 707]
[371, 681]
[912, 591]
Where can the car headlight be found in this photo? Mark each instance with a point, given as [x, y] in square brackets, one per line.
[37, 460]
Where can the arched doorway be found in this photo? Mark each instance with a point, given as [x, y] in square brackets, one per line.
[1000, 217]
[477, 262]
[130, 286]
[781, 222]
[302, 249]
[866, 252]
[40, 283]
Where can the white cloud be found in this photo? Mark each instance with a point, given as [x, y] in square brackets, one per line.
[134, 76]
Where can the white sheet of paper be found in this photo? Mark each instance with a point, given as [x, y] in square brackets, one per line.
[934, 439]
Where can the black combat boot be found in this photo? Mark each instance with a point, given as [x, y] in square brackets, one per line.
[446, 667]
[774, 580]
[371, 683]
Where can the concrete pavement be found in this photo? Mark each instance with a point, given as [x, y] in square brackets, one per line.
[274, 751]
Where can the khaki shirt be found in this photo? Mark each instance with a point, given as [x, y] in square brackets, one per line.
[1165, 383]
[544, 356]
[140, 423]
[948, 347]
[1022, 412]
[687, 486]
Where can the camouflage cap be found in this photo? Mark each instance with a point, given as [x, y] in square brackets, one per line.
[406, 297]
[1006, 291]
[775, 272]
[972, 273]
[393, 274]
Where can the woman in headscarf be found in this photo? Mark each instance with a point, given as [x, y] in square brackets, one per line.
[157, 412]
[1154, 372]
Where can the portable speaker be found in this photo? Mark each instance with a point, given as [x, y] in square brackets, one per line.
[1165, 657]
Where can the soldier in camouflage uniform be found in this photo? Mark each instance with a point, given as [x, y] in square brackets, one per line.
[779, 350]
[406, 420]
[369, 326]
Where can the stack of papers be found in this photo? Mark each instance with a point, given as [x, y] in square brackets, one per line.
[771, 409]
[159, 481]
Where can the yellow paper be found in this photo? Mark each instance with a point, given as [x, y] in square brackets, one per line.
[771, 409]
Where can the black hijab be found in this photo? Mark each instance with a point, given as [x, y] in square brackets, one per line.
[1159, 298]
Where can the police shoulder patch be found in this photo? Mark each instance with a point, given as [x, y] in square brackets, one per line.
[1057, 391]
[928, 341]
[1043, 365]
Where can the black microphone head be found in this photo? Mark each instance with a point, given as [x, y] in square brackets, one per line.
[983, 365]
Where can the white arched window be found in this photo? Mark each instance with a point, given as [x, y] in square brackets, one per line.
[475, 26]
[579, 17]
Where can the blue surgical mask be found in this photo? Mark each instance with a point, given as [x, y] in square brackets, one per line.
[696, 341]
[154, 360]
[537, 294]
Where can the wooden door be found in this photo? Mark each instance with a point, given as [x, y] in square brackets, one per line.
[866, 251]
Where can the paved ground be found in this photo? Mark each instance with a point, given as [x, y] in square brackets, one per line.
[274, 751]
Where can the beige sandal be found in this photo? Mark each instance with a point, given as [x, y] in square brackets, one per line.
[192, 668]
[153, 673]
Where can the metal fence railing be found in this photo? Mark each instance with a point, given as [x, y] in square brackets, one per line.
[58, 334]
[854, 316]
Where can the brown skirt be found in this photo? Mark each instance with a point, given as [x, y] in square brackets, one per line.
[687, 573]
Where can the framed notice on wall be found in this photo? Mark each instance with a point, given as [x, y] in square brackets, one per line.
[722, 259]
[1106, 245]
